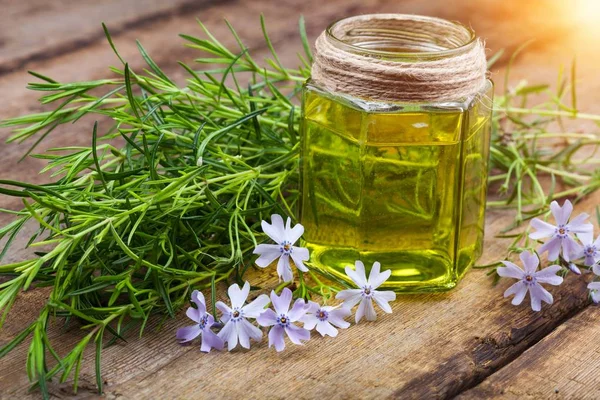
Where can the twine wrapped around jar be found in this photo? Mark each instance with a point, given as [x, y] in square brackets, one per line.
[395, 57]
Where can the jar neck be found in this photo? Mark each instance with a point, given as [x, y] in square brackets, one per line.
[401, 37]
[395, 57]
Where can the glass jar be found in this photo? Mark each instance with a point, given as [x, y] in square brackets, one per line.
[399, 182]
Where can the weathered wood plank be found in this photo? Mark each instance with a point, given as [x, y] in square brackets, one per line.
[564, 365]
[37, 30]
[433, 345]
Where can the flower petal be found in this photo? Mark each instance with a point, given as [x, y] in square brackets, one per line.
[539, 294]
[276, 338]
[336, 317]
[543, 229]
[293, 234]
[350, 297]
[357, 275]
[268, 254]
[589, 260]
[382, 298]
[267, 318]
[210, 341]
[238, 297]
[299, 255]
[257, 307]
[570, 248]
[198, 298]
[595, 294]
[553, 247]
[596, 269]
[326, 329]
[561, 214]
[284, 270]
[224, 308]
[530, 261]
[298, 310]
[309, 321]
[519, 289]
[510, 270]
[229, 334]
[281, 303]
[594, 286]
[548, 275]
[366, 309]
[579, 226]
[276, 230]
[376, 278]
[247, 331]
[297, 334]
[188, 333]
[193, 314]
[575, 269]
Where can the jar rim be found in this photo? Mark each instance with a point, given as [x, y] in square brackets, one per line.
[468, 42]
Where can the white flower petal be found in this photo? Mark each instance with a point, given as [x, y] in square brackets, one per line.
[530, 261]
[293, 234]
[336, 317]
[257, 307]
[299, 255]
[350, 297]
[553, 247]
[326, 329]
[548, 275]
[309, 321]
[519, 289]
[570, 248]
[229, 335]
[268, 254]
[579, 226]
[238, 297]
[249, 331]
[594, 286]
[561, 214]
[281, 303]
[365, 309]
[539, 294]
[510, 270]
[275, 230]
[358, 275]
[382, 298]
[284, 270]
[543, 229]
[224, 308]
[376, 278]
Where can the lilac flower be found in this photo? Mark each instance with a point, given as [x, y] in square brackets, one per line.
[595, 291]
[237, 327]
[560, 235]
[285, 237]
[590, 250]
[367, 293]
[529, 280]
[281, 320]
[204, 322]
[324, 318]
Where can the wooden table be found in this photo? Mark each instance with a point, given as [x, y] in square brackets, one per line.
[469, 343]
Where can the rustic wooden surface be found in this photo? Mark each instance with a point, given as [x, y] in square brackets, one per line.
[470, 342]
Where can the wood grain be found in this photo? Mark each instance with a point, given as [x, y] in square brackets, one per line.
[432, 346]
[564, 365]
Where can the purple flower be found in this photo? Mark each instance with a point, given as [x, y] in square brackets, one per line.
[324, 318]
[529, 280]
[560, 235]
[590, 250]
[595, 291]
[285, 237]
[204, 322]
[281, 320]
[367, 293]
[237, 327]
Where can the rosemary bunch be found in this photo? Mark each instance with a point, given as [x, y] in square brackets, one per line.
[535, 158]
[132, 227]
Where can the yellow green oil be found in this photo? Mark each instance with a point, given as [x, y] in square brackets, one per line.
[399, 184]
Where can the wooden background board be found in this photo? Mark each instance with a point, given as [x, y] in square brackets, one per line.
[469, 342]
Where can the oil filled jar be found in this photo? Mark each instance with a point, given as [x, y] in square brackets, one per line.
[395, 148]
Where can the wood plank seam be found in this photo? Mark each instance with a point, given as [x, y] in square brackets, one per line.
[78, 43]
